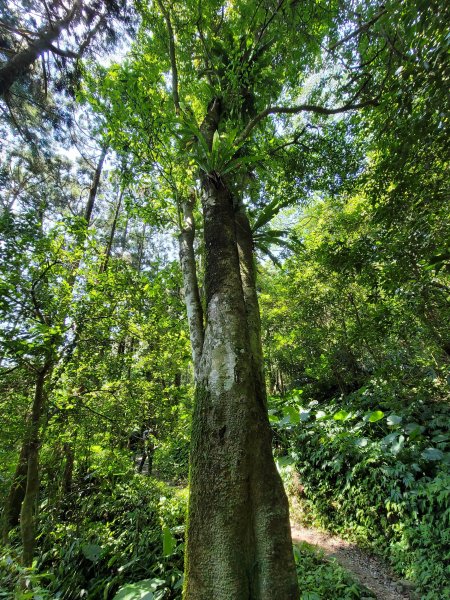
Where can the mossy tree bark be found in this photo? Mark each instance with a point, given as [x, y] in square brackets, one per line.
[239, 545]
[16, 493]
[238, 541]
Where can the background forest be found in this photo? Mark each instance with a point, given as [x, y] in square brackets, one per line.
[349, 213]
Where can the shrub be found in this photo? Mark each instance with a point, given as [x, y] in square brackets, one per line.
[379, 477]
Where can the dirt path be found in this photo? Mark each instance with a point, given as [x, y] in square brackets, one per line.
[365, 568]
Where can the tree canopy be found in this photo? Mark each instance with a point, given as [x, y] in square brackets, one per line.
[224, 242]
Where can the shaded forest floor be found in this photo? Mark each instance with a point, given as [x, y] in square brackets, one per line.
[366, 569]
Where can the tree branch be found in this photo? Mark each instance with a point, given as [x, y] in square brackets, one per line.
[360, 29]
[94, 186]
[190, 283]
[18, 65]
[62, 53]
[173, 61]
[266, 24]
[83, 45]
[294, 110]
[292, 142]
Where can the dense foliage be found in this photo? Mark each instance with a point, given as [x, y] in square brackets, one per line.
[331, 127]
[103, 540]
[362, 402]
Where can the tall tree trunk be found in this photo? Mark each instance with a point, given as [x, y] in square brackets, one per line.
[244, 239]
[269, 502]
[67, 478]
[112, 233]
[190, 283]
[238, 543]
[141, 244]
[94, 187]
[25, 485]
[27, 520]
[16, 493]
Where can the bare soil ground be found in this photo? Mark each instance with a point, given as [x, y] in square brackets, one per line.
[370, 571]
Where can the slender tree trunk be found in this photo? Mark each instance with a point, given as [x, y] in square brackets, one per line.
[94, 187]
[124, 235]
[16, 493]
[191, 291]
[112, 233]
[140, 256]
[67, 478]
[142, 461]
[150, 452]
[238, 544]
[27, 513]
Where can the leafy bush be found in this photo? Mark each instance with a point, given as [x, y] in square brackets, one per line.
[377, 476]
[171, 461]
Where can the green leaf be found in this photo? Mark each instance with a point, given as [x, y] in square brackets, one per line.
[285, 461]
[341, 415]
[122, 567]
[414, 430]
[305, 415]
[361, 442]
[285, 421]
[169, 542]
[237, 163]
[441, 437]
[141, 590]
[398, 445]
[269, 212]
[179, 583]
[375, 416]
[215, 142]
[389, 439]
[92, 552]
[293, 414]
[432, 454]
[394, 420]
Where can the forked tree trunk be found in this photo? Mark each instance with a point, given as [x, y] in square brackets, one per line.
[238, 542]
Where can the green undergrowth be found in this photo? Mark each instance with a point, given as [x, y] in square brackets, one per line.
[112, 535]
[376, 475]
[322, 579]
[126, 541]
[319, 579]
